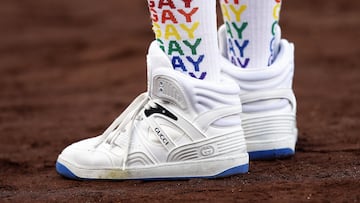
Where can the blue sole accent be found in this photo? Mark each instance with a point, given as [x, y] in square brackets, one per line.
[271, 154]
[233, 171]
[64, 171]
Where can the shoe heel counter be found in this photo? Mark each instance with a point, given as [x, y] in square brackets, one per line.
[270, 131]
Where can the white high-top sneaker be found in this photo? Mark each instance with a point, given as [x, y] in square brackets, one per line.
[269, 104]
[181, 128]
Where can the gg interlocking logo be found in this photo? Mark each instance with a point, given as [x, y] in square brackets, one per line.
[207, 150]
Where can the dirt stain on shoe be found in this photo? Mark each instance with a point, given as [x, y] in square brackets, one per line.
[115, 174]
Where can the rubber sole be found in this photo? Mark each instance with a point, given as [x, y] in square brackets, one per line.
[271, 154]
[65, 172]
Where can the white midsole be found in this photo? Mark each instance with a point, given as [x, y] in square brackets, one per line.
[197, 168]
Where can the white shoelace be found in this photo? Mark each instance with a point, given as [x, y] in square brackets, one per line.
[127, 117]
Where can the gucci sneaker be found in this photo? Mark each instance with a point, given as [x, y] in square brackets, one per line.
[269, 104]
[180, 128]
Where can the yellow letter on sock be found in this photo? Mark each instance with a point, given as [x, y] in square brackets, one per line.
[190, 31]
[170, 30]
[238, 12]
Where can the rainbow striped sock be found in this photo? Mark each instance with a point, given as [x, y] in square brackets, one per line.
[186, 32]
[253, 34]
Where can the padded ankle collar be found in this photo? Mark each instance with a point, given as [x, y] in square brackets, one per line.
[278, 75]
[186, 92]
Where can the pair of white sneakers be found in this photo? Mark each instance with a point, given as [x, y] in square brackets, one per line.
[186, 128]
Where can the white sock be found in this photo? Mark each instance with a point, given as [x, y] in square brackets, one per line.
[253, 34]
[186, 31]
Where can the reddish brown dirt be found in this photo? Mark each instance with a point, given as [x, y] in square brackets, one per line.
[67, 68]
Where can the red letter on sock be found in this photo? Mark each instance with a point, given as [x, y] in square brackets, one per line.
[188, 15]
[187, 3]
[168, 15]
[151, 4]
[166, 3]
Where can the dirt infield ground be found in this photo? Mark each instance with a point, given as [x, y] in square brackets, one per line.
[67, 68]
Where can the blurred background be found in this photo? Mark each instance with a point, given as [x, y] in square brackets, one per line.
[67, 68]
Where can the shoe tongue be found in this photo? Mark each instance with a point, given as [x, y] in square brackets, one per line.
[162, 86]
[277, 40]
[222, 41]
[156, 59]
